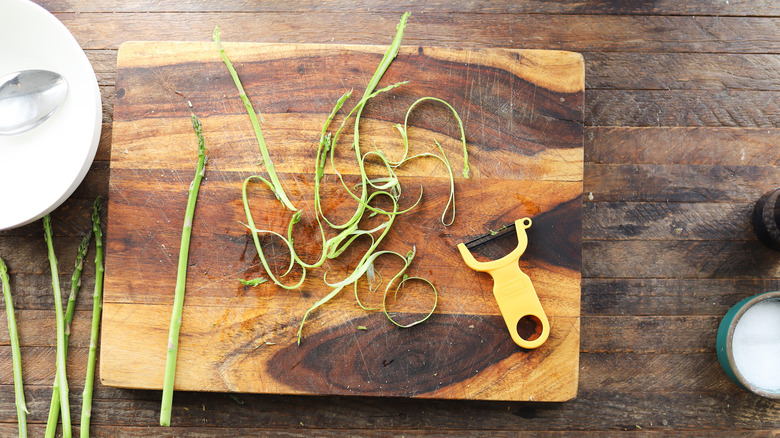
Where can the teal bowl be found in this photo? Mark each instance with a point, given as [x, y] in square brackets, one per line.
[725, 346]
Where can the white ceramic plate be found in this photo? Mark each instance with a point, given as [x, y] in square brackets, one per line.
[40, 169]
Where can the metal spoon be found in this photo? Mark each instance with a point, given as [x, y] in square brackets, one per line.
[29, 97]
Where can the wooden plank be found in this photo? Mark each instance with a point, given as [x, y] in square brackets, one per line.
[297, 432]
[249, 432]
[650, 429]
[660, 408]
[673, 381]
[523, 115]
[690, 71]
[37, 328]
[679, 259]
[38, 367]
[582, 33]
[94, 183]
[104, 65]
[662, 373]
[32, 291]
[304, 432]
[668, 221]
[729, 108]
[678, 183]
[683, 146]
[668, 296]
[33, 258]
[107, 97]
[650, 334]
[667, 7]
[71, 219]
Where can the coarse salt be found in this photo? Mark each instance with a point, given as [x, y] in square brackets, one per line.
[756, 345]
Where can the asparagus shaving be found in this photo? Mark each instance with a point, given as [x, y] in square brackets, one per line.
[372, 287]
[363, 193]
[181, 278]
[371, 275]
[451, 199]
[254, 281]
[404, 131]
[275, 185]
[369, 257]
[16, 355]
[357, 111]
[75, 285]
[256, 238]
[326, 145]
[400, 284]
[389, 183]
[369, 93]
[97, 307]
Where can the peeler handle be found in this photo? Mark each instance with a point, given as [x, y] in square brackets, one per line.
[517, 300]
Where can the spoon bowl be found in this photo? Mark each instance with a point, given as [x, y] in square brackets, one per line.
[28, 98]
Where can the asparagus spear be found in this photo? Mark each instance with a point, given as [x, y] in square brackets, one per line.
[97, 307]
[61, 382]
[21, 407]
[75, 285]
[181, 278]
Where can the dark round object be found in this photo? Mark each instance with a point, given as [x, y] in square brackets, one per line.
[765, 219]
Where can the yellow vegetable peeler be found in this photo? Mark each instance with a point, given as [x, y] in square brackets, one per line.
[513, 290]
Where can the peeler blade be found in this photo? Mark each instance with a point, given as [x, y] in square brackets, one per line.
[490, 236]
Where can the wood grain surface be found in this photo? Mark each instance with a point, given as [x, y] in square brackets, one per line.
[522, 113]
[669, 84]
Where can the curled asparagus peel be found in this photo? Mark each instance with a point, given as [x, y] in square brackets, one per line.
[75, 285]
[97, 308]
[389, 186]
[21, 406]
[363, 193]
[61, 382]
[181, 278]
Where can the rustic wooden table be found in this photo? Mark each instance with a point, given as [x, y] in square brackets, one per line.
[682, 110]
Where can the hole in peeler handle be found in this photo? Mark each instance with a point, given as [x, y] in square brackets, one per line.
[529, 327]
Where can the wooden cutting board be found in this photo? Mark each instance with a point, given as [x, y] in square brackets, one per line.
[523, 117]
